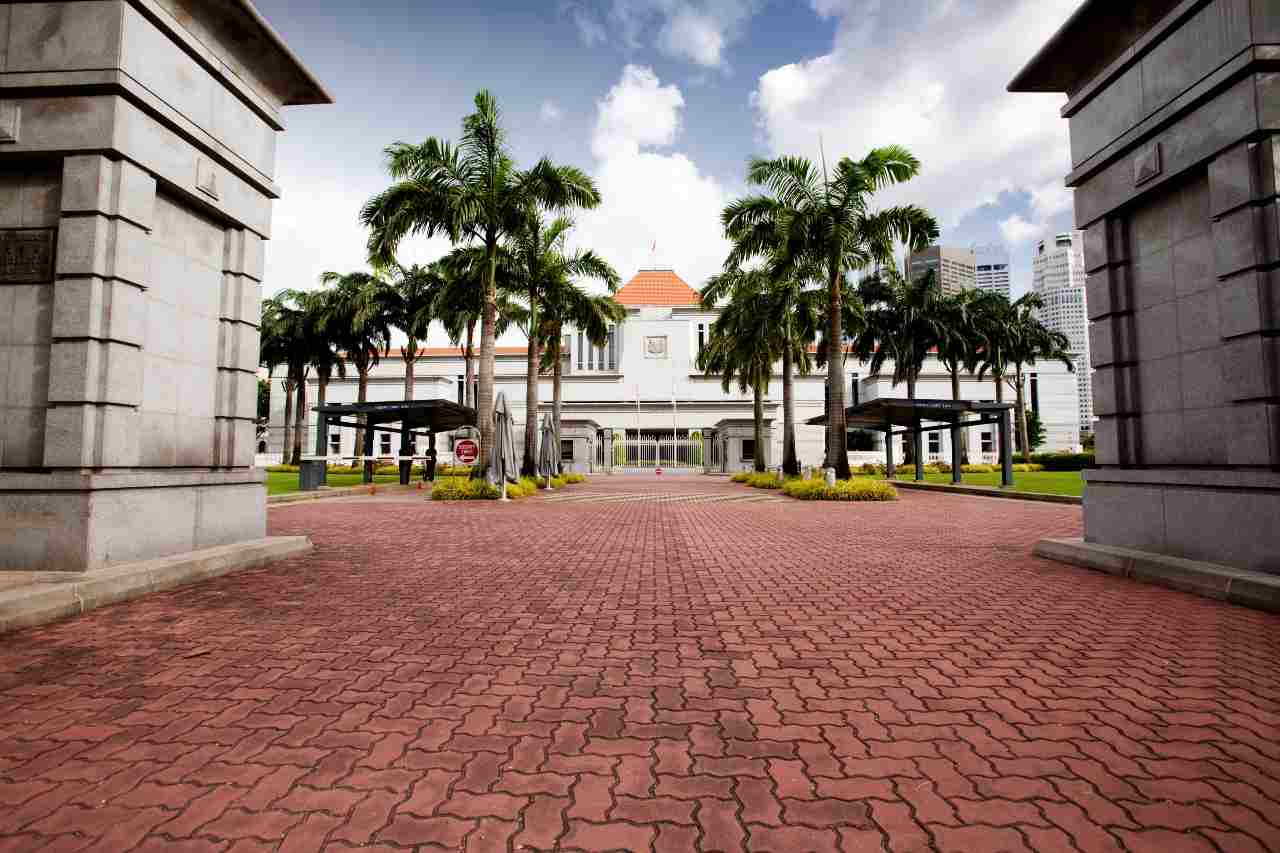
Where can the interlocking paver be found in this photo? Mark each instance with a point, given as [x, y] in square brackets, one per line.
[653, 665]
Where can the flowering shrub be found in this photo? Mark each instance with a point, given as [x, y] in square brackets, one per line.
[843, 490]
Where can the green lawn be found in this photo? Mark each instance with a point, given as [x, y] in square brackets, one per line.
[1043, 482]
[282, 482]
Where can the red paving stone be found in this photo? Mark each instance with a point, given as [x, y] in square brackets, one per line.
[695, 667]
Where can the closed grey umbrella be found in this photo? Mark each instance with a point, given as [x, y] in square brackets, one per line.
[550, 451]
[502, 457]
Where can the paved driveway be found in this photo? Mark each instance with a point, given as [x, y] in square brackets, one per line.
[642, 664]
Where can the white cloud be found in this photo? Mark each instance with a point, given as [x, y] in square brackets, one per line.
[1017, 230]
[637, 111]
[697, 31]
[550, 112]
[937, 89]
[649, 195]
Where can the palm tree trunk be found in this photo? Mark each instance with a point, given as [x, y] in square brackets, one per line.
[909, 452]
[1024, 439]
[287, 435]
[299, 421]
[529, 465]
[758, 413]
[488, 327]
[362, 394]
[557, 392]
[410, 355]
[469, 360]
[790, 465]
[837, 437]
[964, 431]
[322, 394]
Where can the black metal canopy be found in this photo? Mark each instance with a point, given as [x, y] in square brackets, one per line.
[431, 416]
[885, 413]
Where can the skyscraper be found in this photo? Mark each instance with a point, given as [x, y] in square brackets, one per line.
[992, 267]
[1057, 274]
[955, 268]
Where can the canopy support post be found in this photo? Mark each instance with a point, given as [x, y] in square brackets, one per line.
[889, 469]
[1006, 452]
[957, 462]
[917, 444]
[406, 465]
[368, 455]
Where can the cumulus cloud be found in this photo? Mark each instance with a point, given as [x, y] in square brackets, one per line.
[930, 76]
[1017, 230]
[697, 31]
[651, 194]
[550, 112]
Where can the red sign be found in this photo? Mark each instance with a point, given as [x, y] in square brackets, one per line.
[466, 451]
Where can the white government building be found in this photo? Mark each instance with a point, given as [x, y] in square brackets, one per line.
[624, 402]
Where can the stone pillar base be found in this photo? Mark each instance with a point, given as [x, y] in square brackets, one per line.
[1220, 516]
[73, 522]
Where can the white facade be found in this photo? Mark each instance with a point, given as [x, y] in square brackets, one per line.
[1057, 274]
[992, 268]
[650, 386]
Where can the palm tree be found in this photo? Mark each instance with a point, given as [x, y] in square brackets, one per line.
[960, 346]
[566, 305]
[743, 346]
[1028, 341]
[825, 222]
[323, 350]
[474, 194]
[409, 304]
[460, 304]
[276, 339]
[793, 312]
[540, 263]
[358, 322]
[289, 338]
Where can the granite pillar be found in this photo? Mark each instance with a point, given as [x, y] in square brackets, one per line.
[1174, 109]
[137, 145]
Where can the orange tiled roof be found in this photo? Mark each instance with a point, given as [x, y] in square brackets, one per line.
[658, 287]
[457, 352]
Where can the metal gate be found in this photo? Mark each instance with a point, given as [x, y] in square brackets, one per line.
[659, 453]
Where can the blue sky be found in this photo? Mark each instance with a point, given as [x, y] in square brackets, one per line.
[664, 101]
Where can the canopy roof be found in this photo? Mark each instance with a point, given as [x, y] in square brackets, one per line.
[431, 415]
[884, 413]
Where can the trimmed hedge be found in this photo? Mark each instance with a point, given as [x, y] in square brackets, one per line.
[843, 490]
[465, 489]
[1065, 461]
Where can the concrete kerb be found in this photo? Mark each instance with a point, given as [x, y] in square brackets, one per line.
[53, 596]
[988, 492]
[1257, 590]
[346, 492]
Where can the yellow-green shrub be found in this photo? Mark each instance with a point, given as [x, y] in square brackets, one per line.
[978, 468]
[764, 481]
[453, 471]
[843, 490]
[572, 477]
[465, 489]
[283, 469]
[742, 476]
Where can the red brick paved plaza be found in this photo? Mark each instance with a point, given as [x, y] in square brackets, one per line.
[641, 664]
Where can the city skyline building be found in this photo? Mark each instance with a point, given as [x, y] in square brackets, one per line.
[992, 270]
[1058, 276]
[956, 268]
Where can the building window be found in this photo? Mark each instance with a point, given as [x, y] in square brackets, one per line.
[566, 450]
[580, 347]
[613, 348]
[384, 442]
[855, 395]
[988, 442]
[748, 450]
[462, 390]
[335, 443]
[935, 443]
[702, 338]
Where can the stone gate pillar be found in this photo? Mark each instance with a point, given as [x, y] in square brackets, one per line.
[1174, 111]
[137, 147]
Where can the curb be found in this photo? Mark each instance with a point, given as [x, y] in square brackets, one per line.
[1257, 590]
[51, 596]
[988, 492]
[346, 491]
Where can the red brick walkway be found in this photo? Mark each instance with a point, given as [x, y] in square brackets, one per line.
[650, 674]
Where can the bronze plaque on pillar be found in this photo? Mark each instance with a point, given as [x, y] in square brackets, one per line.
[26, 255]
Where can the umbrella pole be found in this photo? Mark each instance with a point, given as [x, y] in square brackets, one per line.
[504, 490]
